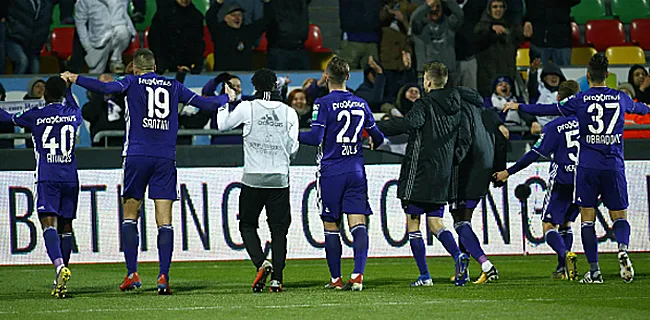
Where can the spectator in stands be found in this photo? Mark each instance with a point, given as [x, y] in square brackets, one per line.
[253, 10]
[408, 94]
[176, 37]
[210, 89]
[545, 92]
[404, 101]
[105, 112]
[395, 49]
[548, 25]
[502, 92]
[234, 40]
[434, 34]
[286, 35]
[639, 79]
[298, 101]
[105, 31]
[3, 28]
[35, 89]
[315, 88]
[5, 127]
[28, 27]
[373, 86]
[496, 43]
[634, 119]
[360, 29]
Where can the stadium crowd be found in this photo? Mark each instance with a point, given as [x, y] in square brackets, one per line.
[391, 42]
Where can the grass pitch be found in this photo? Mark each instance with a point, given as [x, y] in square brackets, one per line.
[211, 290]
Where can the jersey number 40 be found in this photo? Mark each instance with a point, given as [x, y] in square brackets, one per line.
[67, 140]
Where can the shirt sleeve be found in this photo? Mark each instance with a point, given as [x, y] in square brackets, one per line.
[293, 131]
[94, 85]
[69, 99]
[634, 107]
[25, 119]
[318, 115]
[547, 142]
[227, 120]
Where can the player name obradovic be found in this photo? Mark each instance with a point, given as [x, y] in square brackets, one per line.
[159, 124]
[56, 119]
[607, 139]
[154, 82]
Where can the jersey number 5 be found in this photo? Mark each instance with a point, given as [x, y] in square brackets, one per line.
[572, 142]
[67, 140]
[341, 137]
[159, 98]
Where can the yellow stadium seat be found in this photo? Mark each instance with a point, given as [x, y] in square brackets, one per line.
[625, 55]
[523, 59]
[209, 61]
[581, 56]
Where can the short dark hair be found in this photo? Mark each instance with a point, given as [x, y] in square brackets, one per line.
[338, 70]
[567, 89]
[264, 80]
[144, 59]
[436, 72]
[55, 88]
[597, 67]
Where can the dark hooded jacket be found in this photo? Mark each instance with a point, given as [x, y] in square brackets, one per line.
[496, 54]
[551, 20]
[433, 147]
[641, 96]
[27, 24]
[533, 83]
[290, 24]
[487, 152]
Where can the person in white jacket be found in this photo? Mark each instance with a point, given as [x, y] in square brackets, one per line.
[105, 31]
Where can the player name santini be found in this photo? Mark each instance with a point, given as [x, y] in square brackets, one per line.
[158, 124]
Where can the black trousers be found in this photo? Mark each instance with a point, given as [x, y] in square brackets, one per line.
[278, 216]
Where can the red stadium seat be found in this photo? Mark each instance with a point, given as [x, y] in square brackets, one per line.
[314, 41]
[524, 45]
[135, 45]
[61, 42]
[263, 44]
[639, 33]
[209, 46]
[602, 34]
[575, 35]
[44, 52]
[146, 38]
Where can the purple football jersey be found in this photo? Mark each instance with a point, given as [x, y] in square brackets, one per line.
[559, 142]
[600, 112]
[343, 115]
[54, 131]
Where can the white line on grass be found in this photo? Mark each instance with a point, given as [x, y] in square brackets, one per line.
[316, 305]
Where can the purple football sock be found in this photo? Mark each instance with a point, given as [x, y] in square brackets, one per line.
[590, 243]
[419, 252]
[53, 246]
[360, 234]
[567, 236]
[165, 248]
[554, 240]
[447, 239]
[470, 241]
[130, 242]
[333, 252]
[66, 247]
[622, 233]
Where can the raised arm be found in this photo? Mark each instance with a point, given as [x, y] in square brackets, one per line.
[69, 99]
[228, 120]
[98, 86]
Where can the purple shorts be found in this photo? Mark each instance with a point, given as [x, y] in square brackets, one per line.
[610, 185]
[465, 204]
[345, 193]
[159, 174]
[558, 205]
[419, 208]
[60, 198]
